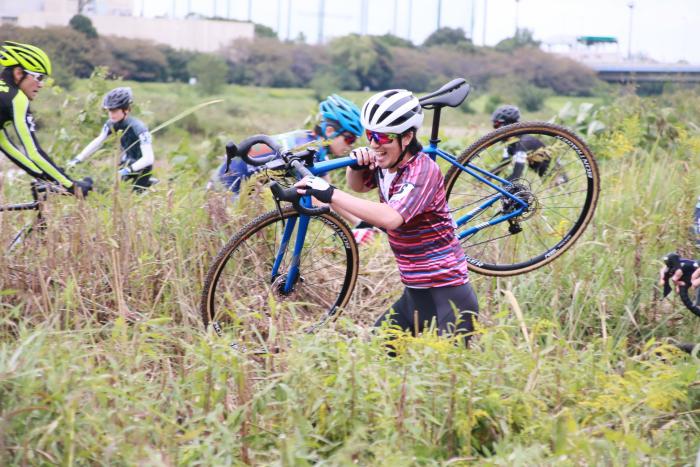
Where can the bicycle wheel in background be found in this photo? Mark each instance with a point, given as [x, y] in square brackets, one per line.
[552, 169]
[241, 295]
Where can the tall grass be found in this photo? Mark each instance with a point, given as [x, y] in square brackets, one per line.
[570, 366]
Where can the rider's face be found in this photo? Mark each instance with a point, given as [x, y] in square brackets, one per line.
[387, 154]
[116, 115]
[339, 145]
[30, 85]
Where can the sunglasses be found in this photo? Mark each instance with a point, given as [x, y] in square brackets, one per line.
[349, 138]
[380, 138]
[40, 77]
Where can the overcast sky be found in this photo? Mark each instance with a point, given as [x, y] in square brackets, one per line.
[661, 29]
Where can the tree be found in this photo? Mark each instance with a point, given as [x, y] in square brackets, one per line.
[210, 71]
[391, 40]
[522, 38]
[83, 24]
[361, 62]
[136, 59]
[446, 36]
[260, 30]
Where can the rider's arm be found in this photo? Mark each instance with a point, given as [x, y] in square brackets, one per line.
[24, 126]
[94, 145]
[147, 157]
[356, 180]
[377, 214]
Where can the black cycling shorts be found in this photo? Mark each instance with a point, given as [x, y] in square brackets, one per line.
[416, 309]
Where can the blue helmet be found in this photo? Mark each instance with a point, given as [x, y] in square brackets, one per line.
[342, 111]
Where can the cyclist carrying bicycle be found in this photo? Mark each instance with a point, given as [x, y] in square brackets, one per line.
[26, 69]
[412, 208]
[137, 158]
[526, 150]
[337, 129]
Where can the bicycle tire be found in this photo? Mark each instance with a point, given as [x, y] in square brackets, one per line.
[327, 234]
[690, 304]
[493, 261]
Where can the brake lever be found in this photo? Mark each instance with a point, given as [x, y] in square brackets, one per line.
[291, 195]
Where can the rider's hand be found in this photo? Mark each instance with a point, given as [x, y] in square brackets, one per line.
[316, 187]
[81, 187]
[695, 278]
[124, 171]
[72, 163]
[365, 158]
[676, 278]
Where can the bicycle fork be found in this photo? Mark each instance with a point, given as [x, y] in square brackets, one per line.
[292, 276]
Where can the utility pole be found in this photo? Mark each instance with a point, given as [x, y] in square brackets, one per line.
[439, 13]
[363, 18]
[321, 11]
[483, 31]
[250, 10]
[410, 19]
[279, 19]
[289, 19]
[517, 12]
[629, 38]
[471, 22]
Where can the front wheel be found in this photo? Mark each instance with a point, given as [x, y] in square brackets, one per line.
[245, 289]
[547, 166]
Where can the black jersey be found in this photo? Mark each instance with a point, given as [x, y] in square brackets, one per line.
[17, 139]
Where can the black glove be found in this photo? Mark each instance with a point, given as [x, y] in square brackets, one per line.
[83, 187]
[319, 189]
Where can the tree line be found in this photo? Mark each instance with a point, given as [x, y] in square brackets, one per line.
[351, 62]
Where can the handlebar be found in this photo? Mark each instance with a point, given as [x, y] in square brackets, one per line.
[687, 266]
[293, 162]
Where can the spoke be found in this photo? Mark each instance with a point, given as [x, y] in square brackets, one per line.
[558, 185]
[584, 190]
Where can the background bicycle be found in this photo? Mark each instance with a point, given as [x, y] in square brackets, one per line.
[297, 266]
[39, 190]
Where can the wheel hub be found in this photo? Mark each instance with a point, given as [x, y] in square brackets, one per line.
[520, 189]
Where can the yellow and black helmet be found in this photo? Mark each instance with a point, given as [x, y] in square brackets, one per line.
[27, 56]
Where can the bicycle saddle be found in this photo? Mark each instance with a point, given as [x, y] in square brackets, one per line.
[452, 94]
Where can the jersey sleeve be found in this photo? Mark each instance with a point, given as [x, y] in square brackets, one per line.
[147, 157]
[95, 144]
[24, 124]
[418, 189]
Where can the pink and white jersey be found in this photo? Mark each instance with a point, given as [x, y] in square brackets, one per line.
[426, 248]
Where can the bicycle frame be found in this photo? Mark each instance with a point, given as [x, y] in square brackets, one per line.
[433, 151]
[477, 172]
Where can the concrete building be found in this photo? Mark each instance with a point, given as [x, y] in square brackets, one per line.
[114, 18]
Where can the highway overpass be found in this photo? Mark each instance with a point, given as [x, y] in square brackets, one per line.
[647, 72]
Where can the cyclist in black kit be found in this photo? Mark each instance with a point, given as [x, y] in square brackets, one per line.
[26, 68]
[137, 158]
[527, 148]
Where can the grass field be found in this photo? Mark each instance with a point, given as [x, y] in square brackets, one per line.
[572, 365]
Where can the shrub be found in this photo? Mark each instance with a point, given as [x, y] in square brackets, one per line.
[83, 24]
[210, 71]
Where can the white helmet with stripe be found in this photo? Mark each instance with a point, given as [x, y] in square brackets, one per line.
[392, 111]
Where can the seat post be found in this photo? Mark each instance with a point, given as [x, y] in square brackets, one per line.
[434, 140]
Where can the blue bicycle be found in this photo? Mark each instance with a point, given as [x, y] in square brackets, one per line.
[520, 196]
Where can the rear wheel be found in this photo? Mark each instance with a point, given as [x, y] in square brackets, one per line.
[549, 167]
[241, 296]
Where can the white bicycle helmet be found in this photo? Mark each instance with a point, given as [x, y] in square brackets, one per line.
[392, 111]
